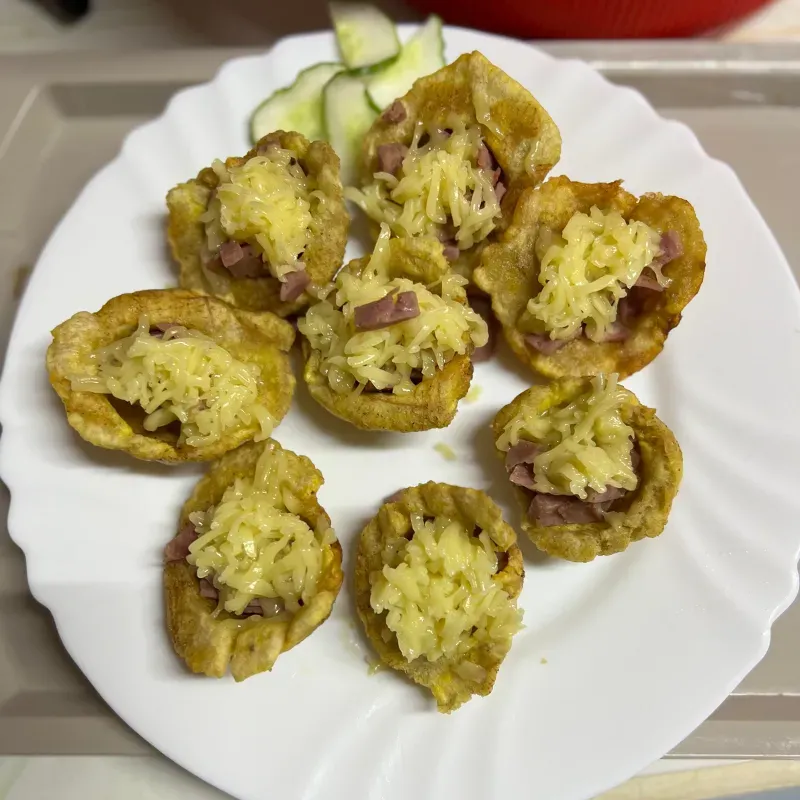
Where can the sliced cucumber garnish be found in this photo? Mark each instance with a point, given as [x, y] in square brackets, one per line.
[366, 36]
[297, 107]
[348, 116]
[421, 55]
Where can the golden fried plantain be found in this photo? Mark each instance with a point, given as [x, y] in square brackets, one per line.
[509, 272]
[209, 644]
[434, 401]
[530, 144]
[474, 510]
[521, 135]
[640, 513]
[257, 338]
[323, 256]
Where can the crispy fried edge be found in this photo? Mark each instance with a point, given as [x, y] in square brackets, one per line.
[526, 125]
[260, 338]
[471, 507]
[513, 109]
[209, 645]
[434, 402]
[188, 201]
[509, 272]
[645, 512]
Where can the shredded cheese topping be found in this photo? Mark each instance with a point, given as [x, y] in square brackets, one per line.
[586, 270]
[438, 188]
[253, 544]
[182, 375]
[389, 358]
[439, 594]
[265, 202]
[588, 444]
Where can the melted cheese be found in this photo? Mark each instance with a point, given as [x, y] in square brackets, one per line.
[480, 102]
[438, 185]
[265, 202]
[589, 446]
[386, 358]
[183, 376]
[253, 545]
[586, 270]
[439, 593]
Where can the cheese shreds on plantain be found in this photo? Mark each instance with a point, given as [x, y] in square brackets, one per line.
[388, 358]
[253, 545]
[586, 270]
[265, 202]
[588, 444]
[438, 185]
[180, 375]
[439, 594]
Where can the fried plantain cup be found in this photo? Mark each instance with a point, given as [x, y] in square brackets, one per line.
[447, 679]
[521, 136]
[201, 272]
[210, 642]
[261, 339]
[434, 401]
[509, 273]
[640, 513]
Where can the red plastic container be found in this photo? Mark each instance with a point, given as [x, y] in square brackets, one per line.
[591, 19]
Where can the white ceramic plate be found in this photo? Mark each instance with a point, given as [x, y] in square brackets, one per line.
[620, 658]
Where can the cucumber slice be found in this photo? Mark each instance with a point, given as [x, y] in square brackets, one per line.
[348, 116]
[366, 36]
[421, 55]
[297, 107]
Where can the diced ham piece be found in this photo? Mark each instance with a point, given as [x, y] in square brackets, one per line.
[240, 260]
[294, 284]
[496, 175]
[671, 248]
[610, 494]
[553, 509]
[647, 281]
[178, 547]
[395, 113]
[616, 332]
[208, 590]
[523, 452]
[387, 311]
[390, 157]
[230, 253]
[544, 344]
[500, 191]
[160, 328]
[252, 609]
[485, 159]
[522, 475]
[451, 251]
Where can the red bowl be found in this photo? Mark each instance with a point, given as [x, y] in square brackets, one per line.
[591, 19]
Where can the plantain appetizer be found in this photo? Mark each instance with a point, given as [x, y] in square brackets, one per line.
[264, 231]
[389, 347]
[594, 470]
[437, 577]
[255, 566]
[589, 279]
[449, 158]
[172, 375]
